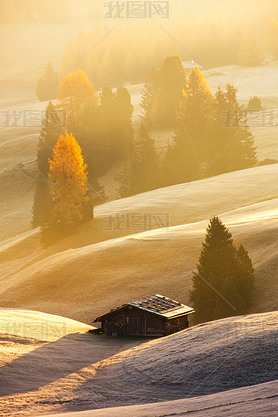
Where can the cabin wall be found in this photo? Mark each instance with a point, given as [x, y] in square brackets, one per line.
[177, 324]
[132, 321]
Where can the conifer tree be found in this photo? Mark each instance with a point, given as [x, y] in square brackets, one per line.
[224, 281]
[233, 146]
[97, 190]
[67, 171]
[123, 180]
[145, 165]
[172, 81]
[49, 134]
[108, 125]
[249, 153]
[246, 279]
[181, 161]
[249, 53]
[149, 95]
[122, 139]
[47, 84]
[52, 126]
[196, 113]
[191, 145]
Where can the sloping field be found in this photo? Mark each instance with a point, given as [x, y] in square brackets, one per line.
[258, 401]
[82, 371]
[92, 277]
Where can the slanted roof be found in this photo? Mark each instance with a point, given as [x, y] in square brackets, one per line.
[162, 306]
[156, 304]
[189, 65]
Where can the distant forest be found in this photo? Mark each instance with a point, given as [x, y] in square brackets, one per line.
[205, 31]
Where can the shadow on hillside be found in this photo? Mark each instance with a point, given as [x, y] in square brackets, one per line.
[55, 360]
[205, 368]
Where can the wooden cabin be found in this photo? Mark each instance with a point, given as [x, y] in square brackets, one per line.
[152, 316]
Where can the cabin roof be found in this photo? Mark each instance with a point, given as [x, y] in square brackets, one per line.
[156, 304]
[190, 65]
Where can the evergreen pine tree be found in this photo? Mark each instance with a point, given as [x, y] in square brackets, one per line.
[145, 166]
[49, 134]
[97, 190]
[233, 146]
[249, 154]
[191, 146]
[196, 114]
[149, 95]
[122, 138]
[249, 53]
[181, 161]
[123, 180]
[224, 276]
[47, 84]
[245, 278]
[172, 81]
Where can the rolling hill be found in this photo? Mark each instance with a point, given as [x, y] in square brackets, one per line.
[91, 271]
[75, 370]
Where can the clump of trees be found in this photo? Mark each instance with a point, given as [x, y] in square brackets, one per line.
[216, 42]
[106, 131]
[224, 282]
[211, 135]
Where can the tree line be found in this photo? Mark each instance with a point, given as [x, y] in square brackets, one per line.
[116, 61]
[211, 135]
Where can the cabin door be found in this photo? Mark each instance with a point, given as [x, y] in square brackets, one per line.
[136, 325]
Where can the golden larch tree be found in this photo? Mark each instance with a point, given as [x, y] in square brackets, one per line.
[68, 173]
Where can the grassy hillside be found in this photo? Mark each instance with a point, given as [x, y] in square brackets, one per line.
[93, 275]
[82, 371]
[257, 400]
